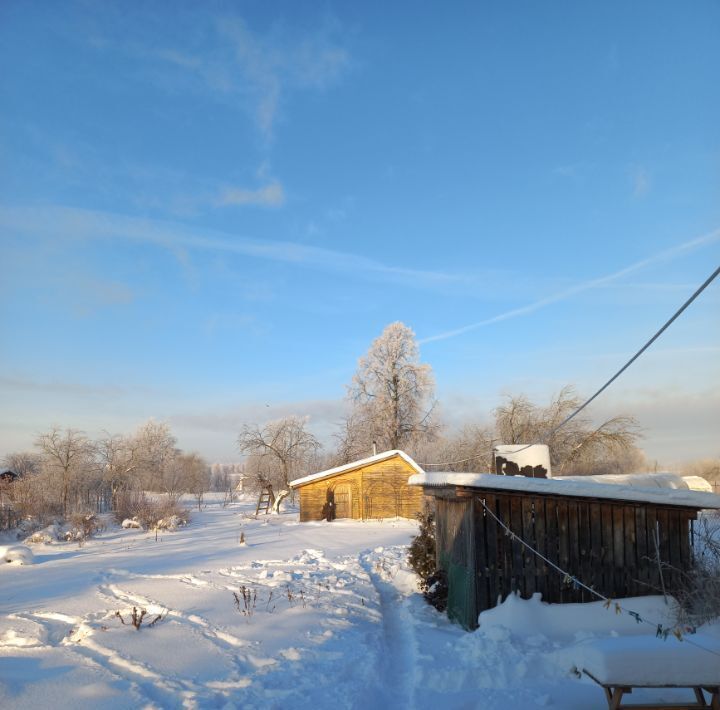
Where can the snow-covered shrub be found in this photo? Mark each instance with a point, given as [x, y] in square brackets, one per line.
[26, 527]
[129, 523]
[698, 594]
[131, 505]
[46, 536]
[16, 554]
[163, 514]
[82, 526]
[172, 522]
[421, 555]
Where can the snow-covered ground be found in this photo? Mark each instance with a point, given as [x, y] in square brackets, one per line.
[330, 617]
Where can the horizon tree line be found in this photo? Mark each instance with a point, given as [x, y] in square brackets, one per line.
[391, 404]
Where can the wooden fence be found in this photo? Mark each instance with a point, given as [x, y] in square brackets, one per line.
[618, 548]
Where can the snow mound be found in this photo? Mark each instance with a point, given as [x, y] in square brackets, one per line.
[131, 523]
[16, 554]
[528, 617]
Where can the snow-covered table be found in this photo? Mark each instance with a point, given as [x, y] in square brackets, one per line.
[623, 663]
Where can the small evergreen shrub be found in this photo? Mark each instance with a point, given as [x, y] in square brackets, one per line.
[421, 556]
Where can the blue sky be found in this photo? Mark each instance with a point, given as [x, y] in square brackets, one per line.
[208, 211]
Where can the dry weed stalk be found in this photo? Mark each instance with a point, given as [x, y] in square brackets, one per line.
[245, 601]
[137, 616]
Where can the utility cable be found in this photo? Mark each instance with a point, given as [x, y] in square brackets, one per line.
[667, 324]
[555, 429]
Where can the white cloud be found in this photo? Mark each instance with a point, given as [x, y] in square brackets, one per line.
[272, 65]
[641, 181]
[257, 70]
[271, 195]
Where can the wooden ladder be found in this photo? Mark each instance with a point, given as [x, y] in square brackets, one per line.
[265, 501]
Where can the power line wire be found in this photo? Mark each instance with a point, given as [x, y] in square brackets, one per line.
[555, 429]
[452, 463]
[667, 324]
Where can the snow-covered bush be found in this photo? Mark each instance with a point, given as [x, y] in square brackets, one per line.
[131, 505]
[16, 554]
[172, 522]
[698, 594]
[46, 536]
[82, 526]
[136, 507]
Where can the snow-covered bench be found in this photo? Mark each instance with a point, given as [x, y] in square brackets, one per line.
[623, 663]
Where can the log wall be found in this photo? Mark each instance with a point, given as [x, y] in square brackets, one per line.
[379, 490]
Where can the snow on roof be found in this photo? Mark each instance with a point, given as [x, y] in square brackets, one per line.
[698, 483]
[353, 465]
[576, 486]
[634, 480]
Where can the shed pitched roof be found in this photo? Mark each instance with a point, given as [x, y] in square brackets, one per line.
[575, 487]
[329, 473]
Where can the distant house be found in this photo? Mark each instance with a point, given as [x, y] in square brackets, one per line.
[613, 533]
[7, 476]
[371, 488]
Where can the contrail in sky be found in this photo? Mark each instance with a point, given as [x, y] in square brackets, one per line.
[697, 243]
[72, 222]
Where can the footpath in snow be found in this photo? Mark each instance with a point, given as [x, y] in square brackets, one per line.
[311, 615]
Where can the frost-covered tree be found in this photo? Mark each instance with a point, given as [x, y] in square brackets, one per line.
[66, 456]
[155, 448]
[580, 446]
[118, 458]
[277, 449]
[467, 449]
[195, 476]
[23, 463]
[391, 395]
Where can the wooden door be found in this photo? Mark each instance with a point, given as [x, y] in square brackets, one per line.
[343, 500]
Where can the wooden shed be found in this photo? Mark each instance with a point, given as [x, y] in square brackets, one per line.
[371, 488]
[613, 538]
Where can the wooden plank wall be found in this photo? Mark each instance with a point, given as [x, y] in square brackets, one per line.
[612, 546]
[377, 491]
